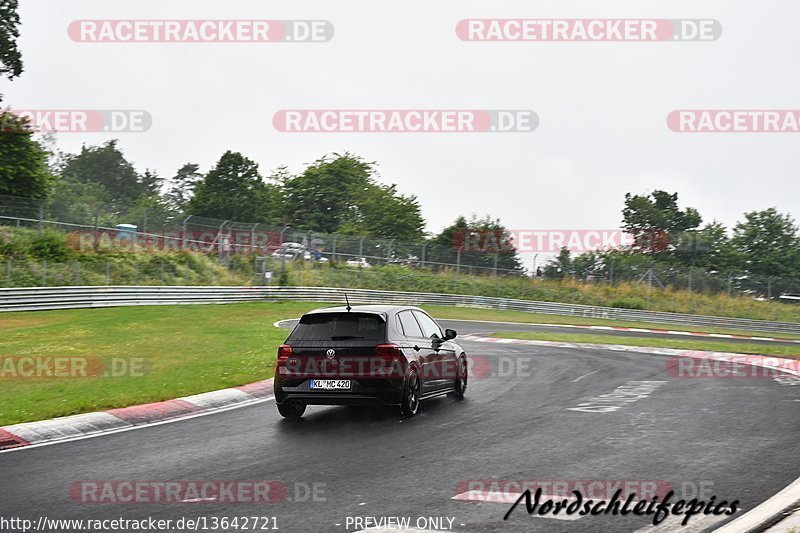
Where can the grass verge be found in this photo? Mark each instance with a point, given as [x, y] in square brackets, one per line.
[180, 350]
[681, 344]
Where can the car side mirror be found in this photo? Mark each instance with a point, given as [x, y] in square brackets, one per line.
[450, 334]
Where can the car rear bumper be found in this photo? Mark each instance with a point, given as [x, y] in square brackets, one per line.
[362, 392]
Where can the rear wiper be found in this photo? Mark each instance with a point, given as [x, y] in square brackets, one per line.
[342, 337]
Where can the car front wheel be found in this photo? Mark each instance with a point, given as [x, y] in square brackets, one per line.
[460, 384]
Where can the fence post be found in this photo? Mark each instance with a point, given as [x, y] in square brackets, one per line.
[389, 251]
[494, 270]
[108, 273]
[8, 271]
[44, 273]
[690, 279]
[77, 272]
[136, 276]
[183, 233]
[335, 237]
[361, 247]
[424, 246]
[96, 227]
[161, 271]
[458, 261]
[41, 216]
[769, 288]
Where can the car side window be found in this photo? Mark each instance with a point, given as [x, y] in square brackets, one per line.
[429, 327]
[410, 325]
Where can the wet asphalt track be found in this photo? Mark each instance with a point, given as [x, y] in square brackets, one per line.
[734, 438]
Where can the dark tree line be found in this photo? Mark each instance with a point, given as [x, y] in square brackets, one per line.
[765, 243]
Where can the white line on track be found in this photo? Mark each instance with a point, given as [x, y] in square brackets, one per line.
[586, 375]
[761, 514]
[143, 426]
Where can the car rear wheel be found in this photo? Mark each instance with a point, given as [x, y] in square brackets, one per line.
[410, 405]
[460, 384]
[292, 410]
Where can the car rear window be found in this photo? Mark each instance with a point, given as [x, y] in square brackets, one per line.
[340, 326]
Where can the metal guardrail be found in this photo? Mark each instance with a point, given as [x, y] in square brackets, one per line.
[46, 298]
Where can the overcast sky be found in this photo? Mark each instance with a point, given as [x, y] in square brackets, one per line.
[602, 106]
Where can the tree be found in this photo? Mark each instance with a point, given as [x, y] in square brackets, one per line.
[107, 166]
[711, 249]
[655, 220]
[323, 197]
[560, 266]
[182, 185]
[480, 241]
[79, 202]
[769, 243]
[383, 212]
[10, 56]
[151, 183]
[232, 190]
[23, 161]
[341, 194]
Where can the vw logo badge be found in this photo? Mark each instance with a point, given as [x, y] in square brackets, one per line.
[330, 354]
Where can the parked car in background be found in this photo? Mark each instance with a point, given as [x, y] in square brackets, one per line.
[295, 250]
[411, 260]
[358, 262]
[289, 251]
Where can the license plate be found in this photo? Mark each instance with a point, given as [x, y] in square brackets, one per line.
[330, 384]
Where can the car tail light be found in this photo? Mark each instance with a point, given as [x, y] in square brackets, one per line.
[390, 360]
[284, 353]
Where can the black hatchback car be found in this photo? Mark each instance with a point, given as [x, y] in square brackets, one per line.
[368, 354]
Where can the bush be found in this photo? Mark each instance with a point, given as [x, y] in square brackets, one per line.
[50, 246]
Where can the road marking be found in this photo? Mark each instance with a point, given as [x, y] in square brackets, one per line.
[622, 396]
[673, 523]
[790, 523]
[586, 375]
